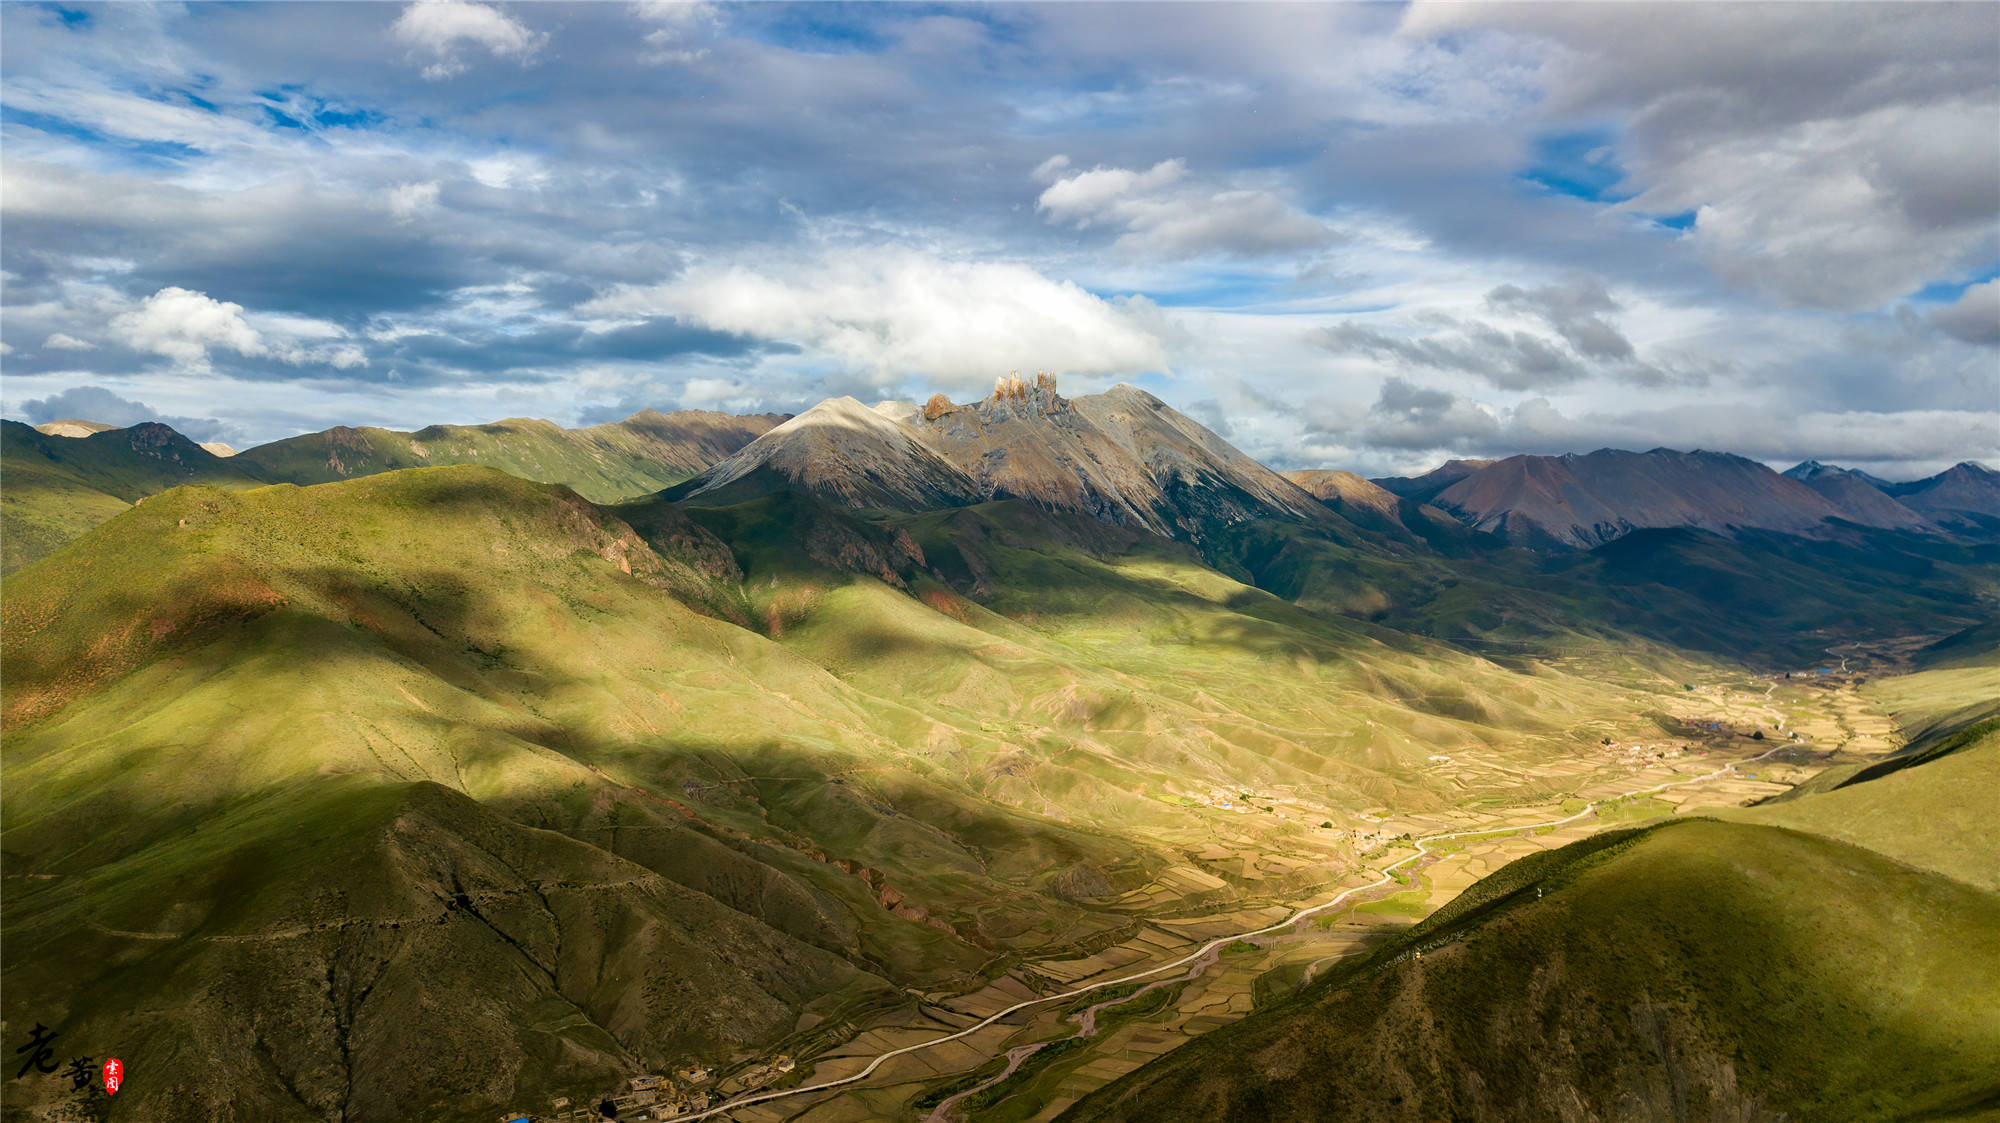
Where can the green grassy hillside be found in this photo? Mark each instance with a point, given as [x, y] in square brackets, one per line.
[58, 487]
[52, 489]
[228, 718]
[641, 454]
[571, 765]
[1694, 970]
[1834, 954]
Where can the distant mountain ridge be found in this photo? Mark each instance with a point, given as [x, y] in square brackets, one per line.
[65, 477]
[1806, 471]
[57, 487]
[604, 463]
[1424, 488]
[1963, 492]
[72, 427]
[1122, 457]
[1582, 501]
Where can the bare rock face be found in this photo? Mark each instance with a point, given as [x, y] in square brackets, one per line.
[1345, 489]
[845, 451]
[1081, 883]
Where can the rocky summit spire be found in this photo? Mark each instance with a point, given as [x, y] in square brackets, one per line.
[1013, 388]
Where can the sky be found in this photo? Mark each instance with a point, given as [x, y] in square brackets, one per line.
[1350, 236]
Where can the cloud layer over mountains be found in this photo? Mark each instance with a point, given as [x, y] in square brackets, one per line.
[1354, 236]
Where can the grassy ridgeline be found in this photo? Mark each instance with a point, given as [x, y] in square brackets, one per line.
[59, 487]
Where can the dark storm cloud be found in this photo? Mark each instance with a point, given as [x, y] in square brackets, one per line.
[557, 346]
[95, 403]
[1509, 360]
[1974, 317]
[1576, 309]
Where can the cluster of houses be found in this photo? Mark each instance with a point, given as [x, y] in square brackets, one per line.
[1641, 754]
[757, 1076]
[644, 1098]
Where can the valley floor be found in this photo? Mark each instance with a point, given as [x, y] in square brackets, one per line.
[1034, 1063]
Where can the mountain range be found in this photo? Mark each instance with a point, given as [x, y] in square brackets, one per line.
[1122, 457]
[1584, 501]
[67, 476]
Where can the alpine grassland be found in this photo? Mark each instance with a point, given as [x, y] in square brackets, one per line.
[440, 769]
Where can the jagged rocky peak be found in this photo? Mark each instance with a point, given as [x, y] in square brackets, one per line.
[1039, 395]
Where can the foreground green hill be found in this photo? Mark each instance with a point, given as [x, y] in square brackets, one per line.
[1695, 970]
[1922, 805]
[1764, 967]
[339, 816]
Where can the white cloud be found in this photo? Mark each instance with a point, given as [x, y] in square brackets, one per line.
[889, 313]
[506, 170]
[1164, 215]
[1829, 213]
[676, 23]
[716, 393]
[61, 342]
[441, 27]
[185, 326]
[1442, 423]
[409, 201]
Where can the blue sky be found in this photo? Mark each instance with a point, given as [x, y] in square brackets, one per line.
[1358, 236]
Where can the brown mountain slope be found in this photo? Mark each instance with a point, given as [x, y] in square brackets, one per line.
[1963, 489]
[1122, 457]
[1578, 502]
[1359, 501]
[840, 450]
[1423, 488]
[1863, 502]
